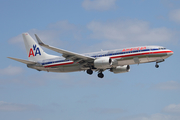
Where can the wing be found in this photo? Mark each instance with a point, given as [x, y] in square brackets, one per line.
[67, 54]
[22, 61]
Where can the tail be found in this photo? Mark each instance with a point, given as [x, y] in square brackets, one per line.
[34, 51]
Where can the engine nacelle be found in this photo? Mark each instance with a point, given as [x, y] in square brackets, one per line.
[120, 69]
[114, 63]
[103, 63]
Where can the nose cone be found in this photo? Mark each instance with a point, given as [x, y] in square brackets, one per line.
[170, 53]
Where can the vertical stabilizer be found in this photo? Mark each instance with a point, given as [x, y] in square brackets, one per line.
[34, 51]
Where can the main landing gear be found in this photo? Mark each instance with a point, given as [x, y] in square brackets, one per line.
[90, 72]
[100, 75]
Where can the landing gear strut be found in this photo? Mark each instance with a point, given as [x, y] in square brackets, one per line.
[89, 71]
[157, 66]
[100, 75]
[158, 61]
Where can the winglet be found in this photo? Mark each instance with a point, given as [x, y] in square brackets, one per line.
[39, 40]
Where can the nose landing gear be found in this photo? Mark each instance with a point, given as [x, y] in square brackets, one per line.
[157, 66]
[158, 61]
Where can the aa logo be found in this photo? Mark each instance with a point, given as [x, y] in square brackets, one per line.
[36, 50]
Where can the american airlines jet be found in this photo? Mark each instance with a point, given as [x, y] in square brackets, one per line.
[116, 61]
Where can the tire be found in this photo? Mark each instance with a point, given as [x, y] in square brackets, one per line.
[100, 75]
[157, 66]
[89, 71]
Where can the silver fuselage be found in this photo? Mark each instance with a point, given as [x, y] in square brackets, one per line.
[127, 56]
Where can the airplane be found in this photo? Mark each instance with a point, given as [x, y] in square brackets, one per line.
[116, 61]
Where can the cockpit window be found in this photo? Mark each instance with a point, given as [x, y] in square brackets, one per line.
[162, 48]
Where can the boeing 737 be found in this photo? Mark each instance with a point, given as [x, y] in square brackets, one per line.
[116, 61]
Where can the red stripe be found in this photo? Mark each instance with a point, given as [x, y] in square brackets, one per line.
[59, 64]
[116, 57]
[162, 52]
[142, 54]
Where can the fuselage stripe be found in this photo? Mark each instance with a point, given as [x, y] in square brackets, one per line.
[67, 63]
[113, 57]
[147, 53]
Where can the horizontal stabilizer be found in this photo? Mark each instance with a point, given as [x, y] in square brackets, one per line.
[23, 61]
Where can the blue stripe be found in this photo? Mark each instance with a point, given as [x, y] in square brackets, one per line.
[110, 54]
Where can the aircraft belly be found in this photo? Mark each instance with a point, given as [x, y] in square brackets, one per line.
[143, 59]
[72, 68]
[62, 68]
[67, 68]
[125, 61]
[133, 60]
[54, 69]
[165, 56]
[154, 57]
[59, 69]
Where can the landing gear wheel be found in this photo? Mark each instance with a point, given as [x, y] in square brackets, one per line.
[156, 65]
[100, 75]
[89, 71]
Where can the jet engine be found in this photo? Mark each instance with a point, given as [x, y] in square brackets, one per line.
[114, 63]
[103, 63]
[120, 69]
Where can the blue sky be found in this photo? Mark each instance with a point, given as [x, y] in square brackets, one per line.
[145, 93]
